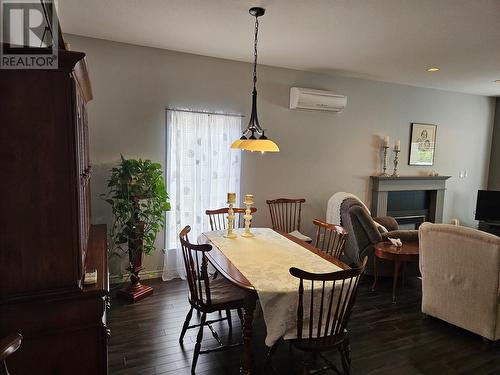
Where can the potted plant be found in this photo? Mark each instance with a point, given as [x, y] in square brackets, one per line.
[136, 193]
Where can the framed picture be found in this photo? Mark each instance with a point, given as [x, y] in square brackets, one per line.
[422, 144]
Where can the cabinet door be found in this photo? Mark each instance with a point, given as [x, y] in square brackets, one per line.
[39, 221]
[83, 168]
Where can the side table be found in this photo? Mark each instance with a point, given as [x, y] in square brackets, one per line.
[386, 250]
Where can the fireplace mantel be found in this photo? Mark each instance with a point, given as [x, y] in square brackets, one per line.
[381, 186]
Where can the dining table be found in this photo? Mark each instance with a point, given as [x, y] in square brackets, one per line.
[260, 266]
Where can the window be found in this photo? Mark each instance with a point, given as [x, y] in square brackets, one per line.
[201, 169]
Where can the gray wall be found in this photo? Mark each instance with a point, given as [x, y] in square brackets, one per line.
[494, 177]
[321, 153]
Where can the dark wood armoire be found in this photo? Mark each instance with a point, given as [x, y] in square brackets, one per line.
[46, 239]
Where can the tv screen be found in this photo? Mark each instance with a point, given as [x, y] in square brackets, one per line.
[488, 205]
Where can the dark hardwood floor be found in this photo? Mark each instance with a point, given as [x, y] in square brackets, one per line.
[385, 338]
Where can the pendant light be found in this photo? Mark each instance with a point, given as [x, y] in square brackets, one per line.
[254, 138]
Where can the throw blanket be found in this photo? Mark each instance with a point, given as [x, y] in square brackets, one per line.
[333, 208]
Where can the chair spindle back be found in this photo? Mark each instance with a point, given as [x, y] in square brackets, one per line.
[328, 306]
[218, 218]
[330, 238]
[286, 213]
[196, 264]
[8, 346]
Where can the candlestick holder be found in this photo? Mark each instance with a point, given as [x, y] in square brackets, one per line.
[230, 222]
[396, 161]
[248, 219]
[384, 173]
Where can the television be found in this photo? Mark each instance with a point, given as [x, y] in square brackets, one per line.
[488, 205]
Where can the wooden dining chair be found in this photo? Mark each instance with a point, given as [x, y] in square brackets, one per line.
[206, 295]
[330, 238]
[325, 302]
[218, 218]
[286, 215]
[8, 345]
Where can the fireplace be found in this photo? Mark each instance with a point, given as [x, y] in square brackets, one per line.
[410, 200]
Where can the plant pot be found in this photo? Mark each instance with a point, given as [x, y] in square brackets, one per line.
[135, 291]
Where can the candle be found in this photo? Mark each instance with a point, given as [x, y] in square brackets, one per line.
[248, 199]
[231, 197]
[397, 146]
[386, 141]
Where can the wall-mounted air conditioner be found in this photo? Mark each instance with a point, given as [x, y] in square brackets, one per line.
[316, 100]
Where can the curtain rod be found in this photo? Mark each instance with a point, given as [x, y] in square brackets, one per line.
[204, 112]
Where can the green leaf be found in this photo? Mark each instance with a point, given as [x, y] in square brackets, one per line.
[132, 178]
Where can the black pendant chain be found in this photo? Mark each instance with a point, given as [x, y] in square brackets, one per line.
[255, 52]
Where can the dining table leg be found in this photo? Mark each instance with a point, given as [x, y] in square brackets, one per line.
[246, 355]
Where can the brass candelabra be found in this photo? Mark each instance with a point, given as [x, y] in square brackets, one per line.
[384, 173]
[396, 161]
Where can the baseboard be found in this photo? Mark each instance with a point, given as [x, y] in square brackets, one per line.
[145, 275]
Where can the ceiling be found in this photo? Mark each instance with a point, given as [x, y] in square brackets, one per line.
[385, 40]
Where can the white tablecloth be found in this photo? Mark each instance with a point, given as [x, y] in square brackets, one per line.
[265, 260]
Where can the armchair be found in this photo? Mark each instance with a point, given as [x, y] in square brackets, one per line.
[364, 234]
[460, 270]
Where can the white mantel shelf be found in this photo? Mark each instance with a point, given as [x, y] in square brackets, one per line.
[381, 186]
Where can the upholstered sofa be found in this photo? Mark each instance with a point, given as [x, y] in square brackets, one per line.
[364, 234]
[460, 270]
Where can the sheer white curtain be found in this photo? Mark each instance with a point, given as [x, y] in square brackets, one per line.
[201, 169]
